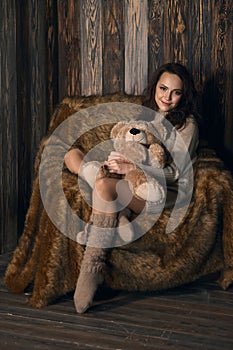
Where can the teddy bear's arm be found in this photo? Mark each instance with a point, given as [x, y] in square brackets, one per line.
[158, 156]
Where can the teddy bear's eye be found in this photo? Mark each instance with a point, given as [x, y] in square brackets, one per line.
[134, 131]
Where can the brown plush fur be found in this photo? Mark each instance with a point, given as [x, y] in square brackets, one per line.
[201, 244]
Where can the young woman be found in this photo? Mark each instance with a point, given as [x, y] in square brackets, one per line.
[171, 92]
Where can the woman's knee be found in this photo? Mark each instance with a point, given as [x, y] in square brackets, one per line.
[106, 188]
[73, 160]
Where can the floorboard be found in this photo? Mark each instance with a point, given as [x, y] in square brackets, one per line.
[195, 316]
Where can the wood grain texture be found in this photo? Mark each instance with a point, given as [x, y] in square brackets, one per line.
[51, 33]
[91, 47]
[205, 31]
[58, 48]
[218, 87]
[69, 42]
[36, 52]
[227, 51]
[155, 35]
[195, 39]
[8, 128]
[197, 316]
[176, 31]
[113, 46]
[24, 111]
[31, 94]
[136, 46]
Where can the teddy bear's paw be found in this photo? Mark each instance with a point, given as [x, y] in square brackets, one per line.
[158, 156]
[152, 192]
[90, 171]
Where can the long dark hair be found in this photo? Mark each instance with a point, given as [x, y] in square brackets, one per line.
[187, 104]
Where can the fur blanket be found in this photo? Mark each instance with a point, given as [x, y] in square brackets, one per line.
[49, 261]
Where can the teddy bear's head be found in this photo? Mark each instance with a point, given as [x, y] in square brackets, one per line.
[139, 142]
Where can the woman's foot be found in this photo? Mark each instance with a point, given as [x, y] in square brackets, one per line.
[86, 287]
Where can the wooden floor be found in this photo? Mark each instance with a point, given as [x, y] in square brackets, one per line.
[197, 316]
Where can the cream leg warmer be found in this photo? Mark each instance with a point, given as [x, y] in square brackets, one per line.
[90, 277]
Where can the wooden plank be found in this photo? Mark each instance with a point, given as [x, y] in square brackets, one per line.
[176, 31]
[206, 68]
[195, 30]
[195, 316]
[227, 31]
[205, 18]
[91, 47]
[155, 35]
[32, 91]
[165, 320]
[37, 77]
[219, 20]
[69, 38]
[136, 46]
[113, 46]
[24, 111]
[51, 29]
[8, 128]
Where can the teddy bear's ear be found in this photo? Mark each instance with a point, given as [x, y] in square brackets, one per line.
[116, 129]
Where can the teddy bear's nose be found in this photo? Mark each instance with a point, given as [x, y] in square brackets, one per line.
[134, 131]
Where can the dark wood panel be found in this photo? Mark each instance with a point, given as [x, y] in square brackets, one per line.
[176, 31]
[24, 111]
[51, 33]
[31, 93]
[155, 35]
[201, 33]
[226, 37]
[8, 128]
[136, 46]
[91, 47]
[195, 39]
[37, 75]
[69, 42]
[219, 66]
[216, 88]
[113, 47]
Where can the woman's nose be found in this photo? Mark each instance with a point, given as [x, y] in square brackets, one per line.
[167, 95]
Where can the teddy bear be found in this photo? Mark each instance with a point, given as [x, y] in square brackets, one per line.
[141, 143]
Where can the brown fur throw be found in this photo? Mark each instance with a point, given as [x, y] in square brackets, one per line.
[201, 244]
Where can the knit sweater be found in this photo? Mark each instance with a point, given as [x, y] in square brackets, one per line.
[182, 145]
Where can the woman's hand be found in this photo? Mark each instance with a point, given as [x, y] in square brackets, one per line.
[118, 164]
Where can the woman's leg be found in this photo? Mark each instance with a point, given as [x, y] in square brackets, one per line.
[107, 195]
[73, 160]
[110, 195]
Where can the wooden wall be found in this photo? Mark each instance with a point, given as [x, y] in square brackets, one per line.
[54, 48]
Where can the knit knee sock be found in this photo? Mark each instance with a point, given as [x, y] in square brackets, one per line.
[91, 275]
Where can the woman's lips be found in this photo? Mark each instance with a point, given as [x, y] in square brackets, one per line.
[165, 103]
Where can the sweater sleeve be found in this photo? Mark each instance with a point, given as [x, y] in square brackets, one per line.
[183, 153]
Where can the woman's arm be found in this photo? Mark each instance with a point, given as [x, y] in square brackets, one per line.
[183, 152]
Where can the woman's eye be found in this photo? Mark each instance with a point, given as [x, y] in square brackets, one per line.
[162, 88]
[178, 93]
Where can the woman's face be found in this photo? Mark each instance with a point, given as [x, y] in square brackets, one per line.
[168, 91]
